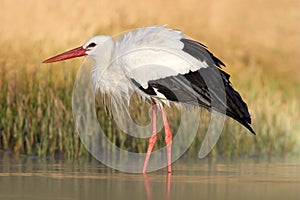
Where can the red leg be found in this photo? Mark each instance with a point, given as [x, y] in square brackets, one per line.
[152, 139]
[168, 138]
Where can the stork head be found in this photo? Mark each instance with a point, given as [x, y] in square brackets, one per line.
[87, 49]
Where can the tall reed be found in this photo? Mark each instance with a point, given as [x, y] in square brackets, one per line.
[36, 117]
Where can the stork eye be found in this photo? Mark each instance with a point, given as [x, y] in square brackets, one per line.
[91, 45]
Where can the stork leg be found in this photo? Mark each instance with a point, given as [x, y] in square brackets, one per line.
[152, 139]
[168, 138]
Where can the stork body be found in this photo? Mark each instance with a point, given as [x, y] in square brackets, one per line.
[162, 66]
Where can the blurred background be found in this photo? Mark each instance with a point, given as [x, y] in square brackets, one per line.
[259, 41]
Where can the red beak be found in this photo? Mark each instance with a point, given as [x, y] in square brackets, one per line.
[77, 52]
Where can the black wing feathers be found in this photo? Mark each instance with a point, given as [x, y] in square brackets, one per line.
[200, 52]
[191, 88]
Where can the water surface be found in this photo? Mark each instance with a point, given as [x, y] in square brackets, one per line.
[36, 178]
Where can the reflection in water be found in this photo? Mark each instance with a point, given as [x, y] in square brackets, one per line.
[168, 185]
[247, 179]
[147, 187]
[149, 191]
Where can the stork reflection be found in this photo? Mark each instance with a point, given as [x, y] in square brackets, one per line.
[148, 187]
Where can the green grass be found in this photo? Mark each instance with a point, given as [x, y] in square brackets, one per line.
[36, 116]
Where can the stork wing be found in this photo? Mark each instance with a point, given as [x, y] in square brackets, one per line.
[164, 64]
[153, 53]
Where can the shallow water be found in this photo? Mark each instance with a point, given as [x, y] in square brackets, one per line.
[253, 178]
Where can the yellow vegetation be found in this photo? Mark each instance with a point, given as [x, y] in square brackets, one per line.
[259, 41]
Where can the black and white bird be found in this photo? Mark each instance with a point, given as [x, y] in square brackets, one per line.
[163, 66]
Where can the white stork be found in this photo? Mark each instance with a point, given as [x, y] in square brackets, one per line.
[190, 63]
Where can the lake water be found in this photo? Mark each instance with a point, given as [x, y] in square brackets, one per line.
[209, 178]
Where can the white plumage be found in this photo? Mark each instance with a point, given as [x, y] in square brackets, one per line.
[148, 53]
